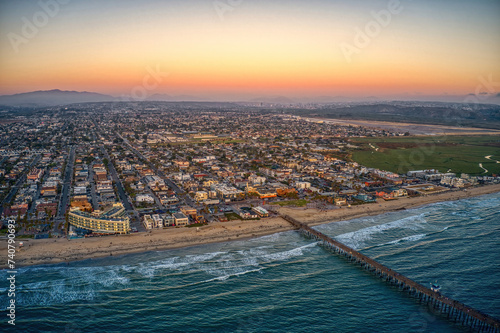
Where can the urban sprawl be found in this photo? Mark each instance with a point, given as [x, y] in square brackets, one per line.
[116, 168]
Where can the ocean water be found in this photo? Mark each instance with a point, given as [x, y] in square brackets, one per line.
[277, 283]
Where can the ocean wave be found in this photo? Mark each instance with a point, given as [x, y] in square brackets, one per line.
[51, 292]
[272, 237]
[358, 239]
[70, 284]
[149, 269]
[413, 238]
[285, 255]
[225, 277]
[241, 261]
[219, 278]
[218, 264]
[407, 239]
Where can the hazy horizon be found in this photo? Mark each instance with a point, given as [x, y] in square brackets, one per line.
[285, 99]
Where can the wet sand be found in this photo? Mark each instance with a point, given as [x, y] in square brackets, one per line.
[315, 216]
[48, 251]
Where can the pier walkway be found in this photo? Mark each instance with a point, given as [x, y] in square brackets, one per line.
[455, 310]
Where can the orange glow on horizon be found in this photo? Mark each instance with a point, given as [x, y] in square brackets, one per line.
[257, 49]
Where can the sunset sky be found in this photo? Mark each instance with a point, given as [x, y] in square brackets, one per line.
[231, 50]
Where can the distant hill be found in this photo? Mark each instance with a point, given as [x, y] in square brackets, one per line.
[53, 98]
[160, 98]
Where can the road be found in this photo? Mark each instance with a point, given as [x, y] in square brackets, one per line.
[121, 192]
[489, 158]
[157, 201]
[95, 204]
[135, 222]
[187, 199]
[68, 178]
[38, 191]
[5, 158]
[179, 192]
[19, 183]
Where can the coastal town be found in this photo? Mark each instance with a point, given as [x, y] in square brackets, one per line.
[113, 168]
[250, 166]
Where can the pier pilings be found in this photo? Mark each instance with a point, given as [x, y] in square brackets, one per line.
[454, 310]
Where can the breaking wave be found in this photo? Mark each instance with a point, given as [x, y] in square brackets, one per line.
[70, 284]
[360, 238]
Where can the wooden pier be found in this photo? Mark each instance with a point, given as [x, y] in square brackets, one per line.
[455, 310]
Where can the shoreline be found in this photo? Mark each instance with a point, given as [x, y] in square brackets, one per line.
[315, 217]
[60, 250]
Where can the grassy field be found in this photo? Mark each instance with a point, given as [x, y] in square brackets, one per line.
[196, 141]
[232, 216]
[453, 153]
[451, 139]
[298, 203]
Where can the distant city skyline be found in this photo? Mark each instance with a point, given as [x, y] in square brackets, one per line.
[239, 50]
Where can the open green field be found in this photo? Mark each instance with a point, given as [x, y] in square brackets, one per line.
[232, 216]
[298, 203]
[197, 141]
[447, 154]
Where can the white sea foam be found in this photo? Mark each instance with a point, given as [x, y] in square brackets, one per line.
[69, 284]
[219, 264]
[52, 292]
[251, 260]
[149, 269]
[106, 276]
[407, 239]
[357, 239]
[272, 237]
[285, 255]
[225, 277]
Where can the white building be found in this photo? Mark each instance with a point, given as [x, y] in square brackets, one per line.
[144, 198]
[152, 181]
[148, 222]
[302, 185]
[453, 182]
[201, 195]
[181, 219]
[262, 212]
[181, 177]
[226, 192]
[79, 190]
[256, 180]
[157, 221]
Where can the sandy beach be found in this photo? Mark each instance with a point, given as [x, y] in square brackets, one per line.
[48, 251]
[315, 217]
